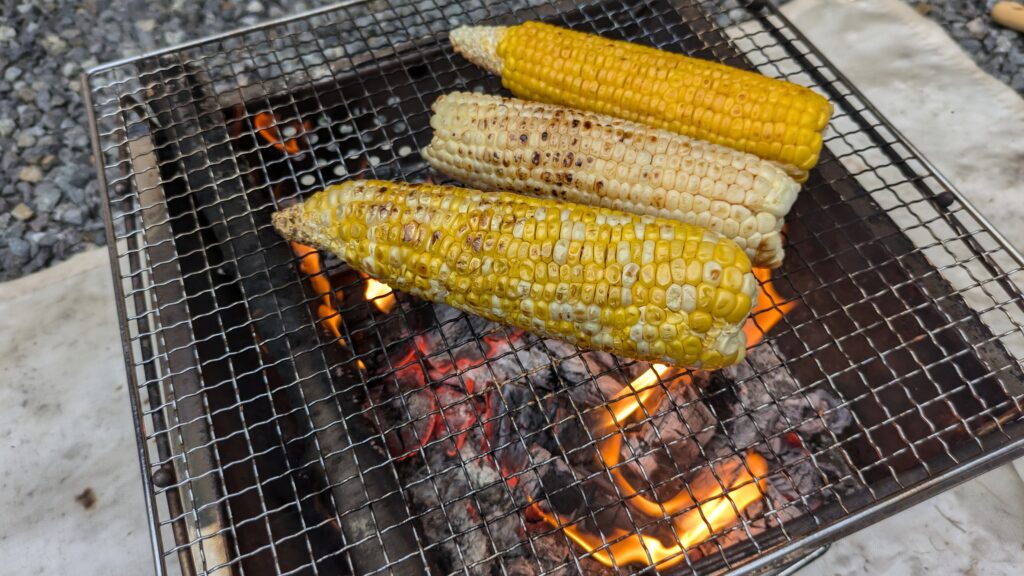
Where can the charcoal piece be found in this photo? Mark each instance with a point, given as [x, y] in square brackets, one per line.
[468, 509]
[575, 367]
[669, 442]
[454, 328]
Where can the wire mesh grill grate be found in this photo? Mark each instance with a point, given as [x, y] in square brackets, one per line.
[270, 446]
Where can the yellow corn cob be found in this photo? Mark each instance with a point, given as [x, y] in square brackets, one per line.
[639, 286]
[774, 119]
[497, 143]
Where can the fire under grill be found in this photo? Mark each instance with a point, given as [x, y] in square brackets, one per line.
[295, 417]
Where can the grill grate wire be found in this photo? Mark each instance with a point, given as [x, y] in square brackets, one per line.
[908, 303]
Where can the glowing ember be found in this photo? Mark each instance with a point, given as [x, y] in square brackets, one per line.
[380, 294]
[267, 126]
[717, 510]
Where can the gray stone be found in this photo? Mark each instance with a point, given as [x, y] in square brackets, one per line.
[1003, 45]
[977, 27]
[1017, 82]
[47, 196]
[31, 174]
[971, 45]
[70, 214]
[7, 126]
[43, 100]
[20, 248]
[22, 212]
[12, 73]
[1015, 60]
[53, 44]
[25, 139]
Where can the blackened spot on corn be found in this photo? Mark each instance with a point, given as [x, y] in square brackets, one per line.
[599, 185]
[575, 122]
[544, 136]
[523, 138]
[536, 158]
[568, 159]
[586, 124]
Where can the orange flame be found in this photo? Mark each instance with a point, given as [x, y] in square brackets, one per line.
[691, 522]
[330, 318]
[770, 309]
[380, 294]
[309, 264]
[266, 125]
[718, 509]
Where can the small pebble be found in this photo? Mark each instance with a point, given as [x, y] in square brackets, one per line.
[307, 180]
[12, 73]
[31, 174]
[22, 212]
[25, 140]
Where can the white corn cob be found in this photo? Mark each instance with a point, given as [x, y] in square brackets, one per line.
[545, 150]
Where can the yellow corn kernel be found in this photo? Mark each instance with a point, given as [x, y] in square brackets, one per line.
[537, 61]
[434, 243]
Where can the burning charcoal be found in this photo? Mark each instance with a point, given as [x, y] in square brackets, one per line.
[405, 409]
[518, 419]
[670, 441]
[830, 414]
[475, 523]
[453, 328]
[575, 366]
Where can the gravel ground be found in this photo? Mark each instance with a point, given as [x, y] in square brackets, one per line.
[997, 50]
[49, 200]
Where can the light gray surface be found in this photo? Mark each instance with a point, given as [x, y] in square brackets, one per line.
[65, 427]
[64, 414]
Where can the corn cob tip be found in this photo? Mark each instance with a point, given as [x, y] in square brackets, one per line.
[291, 224]
[479, 45]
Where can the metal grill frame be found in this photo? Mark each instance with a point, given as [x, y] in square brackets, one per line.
[990, 249]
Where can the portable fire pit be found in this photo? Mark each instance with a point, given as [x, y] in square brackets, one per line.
[294, 417]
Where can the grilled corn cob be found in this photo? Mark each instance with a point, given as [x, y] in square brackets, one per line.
[773, 119]
[497, 143]
[639, 286]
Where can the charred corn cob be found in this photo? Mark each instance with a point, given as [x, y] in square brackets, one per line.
[773, 119]
[497, 143]
[639, 286]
